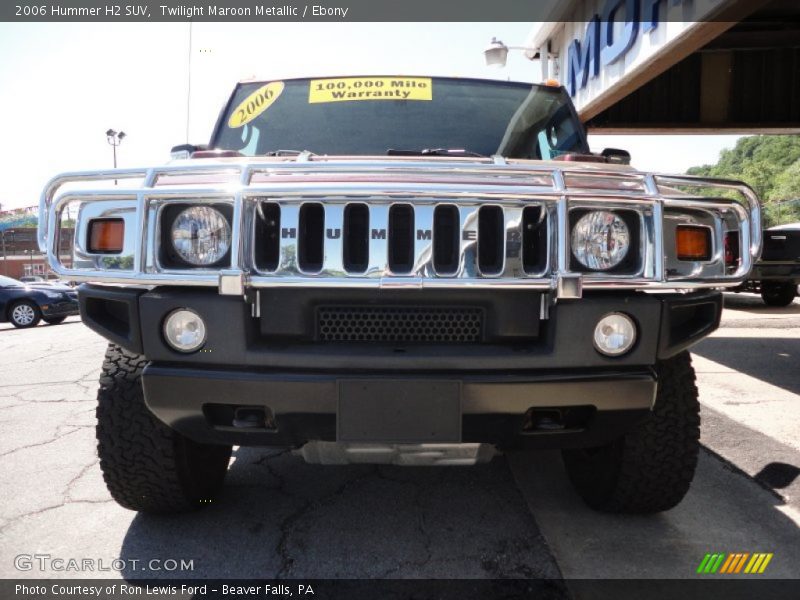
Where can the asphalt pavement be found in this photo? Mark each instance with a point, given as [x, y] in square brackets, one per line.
[515, 517]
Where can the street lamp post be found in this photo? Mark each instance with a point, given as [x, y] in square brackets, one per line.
[496, 54]
[30, 260]
[5, 258]
[114, 139]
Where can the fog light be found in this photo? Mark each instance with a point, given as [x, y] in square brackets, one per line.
[615, 334]
[184, 330]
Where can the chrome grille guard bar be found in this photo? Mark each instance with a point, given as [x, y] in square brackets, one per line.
[379, 182]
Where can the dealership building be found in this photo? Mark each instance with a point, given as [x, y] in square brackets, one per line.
[672, 66]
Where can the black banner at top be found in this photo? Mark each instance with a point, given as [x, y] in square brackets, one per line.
[343, 10]
[281, 10]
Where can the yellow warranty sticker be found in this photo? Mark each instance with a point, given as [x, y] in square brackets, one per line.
[370, 88]
[255, 104]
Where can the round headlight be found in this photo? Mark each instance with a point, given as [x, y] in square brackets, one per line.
[600, 240]
[184, 330]
[201, 235]
[614, 334]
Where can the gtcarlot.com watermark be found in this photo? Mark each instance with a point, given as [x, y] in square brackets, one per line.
[50, 563]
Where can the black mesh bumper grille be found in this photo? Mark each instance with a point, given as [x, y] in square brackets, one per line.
[454, 325]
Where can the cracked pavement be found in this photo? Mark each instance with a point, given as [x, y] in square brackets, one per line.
[515, 517]
[284, 518]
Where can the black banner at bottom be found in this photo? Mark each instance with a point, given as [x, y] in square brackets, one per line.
[405, 589]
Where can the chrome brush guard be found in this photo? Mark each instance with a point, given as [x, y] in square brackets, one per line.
[660, 202]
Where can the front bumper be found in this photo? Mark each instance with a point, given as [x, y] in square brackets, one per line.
[560, 409]
[60, 308]
[535, 379]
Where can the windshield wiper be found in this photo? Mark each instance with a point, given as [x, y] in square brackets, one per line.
[434, 152]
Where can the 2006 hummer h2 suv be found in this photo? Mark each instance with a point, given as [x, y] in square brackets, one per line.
[403, 270]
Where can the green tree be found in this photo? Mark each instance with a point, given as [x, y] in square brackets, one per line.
[787, 184]
[770, 165]
[783, 203]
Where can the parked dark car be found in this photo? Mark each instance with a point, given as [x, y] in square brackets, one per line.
[776, 274]
[24, 306]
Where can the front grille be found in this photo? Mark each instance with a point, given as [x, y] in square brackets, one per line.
[453, 325]
[369, 238]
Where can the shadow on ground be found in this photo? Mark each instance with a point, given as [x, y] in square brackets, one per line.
[279, 517]
[724, 511]
[9, 327]
[753, 303]
[770, 359]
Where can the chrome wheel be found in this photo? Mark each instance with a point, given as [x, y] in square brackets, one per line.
[23, 315]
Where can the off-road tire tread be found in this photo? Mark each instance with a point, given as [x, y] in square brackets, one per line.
[655, 463]
[146, 465]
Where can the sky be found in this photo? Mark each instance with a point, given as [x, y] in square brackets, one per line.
[62, 85]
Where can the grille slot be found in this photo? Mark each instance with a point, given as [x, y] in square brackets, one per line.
[356, 240]
[534, 240]
[491, 240]
[401, 238]
[268, 240]
[445, 239]
[454, 325]
[311, 239]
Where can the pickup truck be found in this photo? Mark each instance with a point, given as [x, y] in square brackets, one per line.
[776, 273]
[399, 270]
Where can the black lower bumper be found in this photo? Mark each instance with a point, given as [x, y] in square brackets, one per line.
[533, 378]
[556, 409]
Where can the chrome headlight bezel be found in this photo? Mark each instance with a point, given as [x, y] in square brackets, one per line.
[172, 257]
[626, 224]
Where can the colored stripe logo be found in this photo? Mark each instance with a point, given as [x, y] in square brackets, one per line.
[734, 563]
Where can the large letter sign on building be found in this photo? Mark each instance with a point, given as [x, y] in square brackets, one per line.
[613, 50]
[651, 14]
[580, 61]
[600, 42]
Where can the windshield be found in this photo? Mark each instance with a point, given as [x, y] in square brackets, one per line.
[8, 282]
[372, 115]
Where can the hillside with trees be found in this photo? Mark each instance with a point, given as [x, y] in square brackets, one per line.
[771, 165]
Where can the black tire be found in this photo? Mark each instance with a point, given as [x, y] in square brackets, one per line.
[24, 314]
[778, 293]
[147, 466]
[650, 469]
[54, 320]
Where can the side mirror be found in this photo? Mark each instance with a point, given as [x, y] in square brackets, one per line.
[185, 151]
[616, 156]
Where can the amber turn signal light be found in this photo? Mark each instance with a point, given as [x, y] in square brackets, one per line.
[693, 243]
[106, 236]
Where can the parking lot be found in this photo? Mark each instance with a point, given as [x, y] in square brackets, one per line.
[516, 517]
